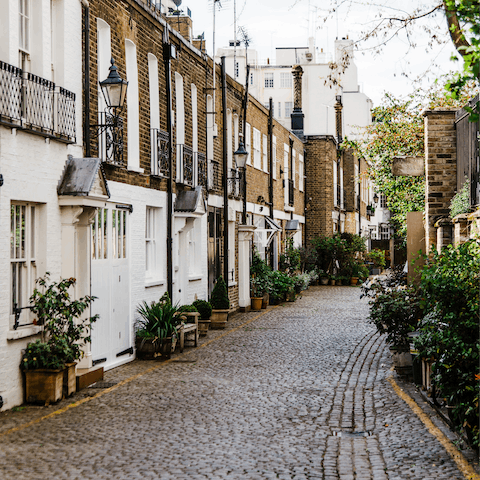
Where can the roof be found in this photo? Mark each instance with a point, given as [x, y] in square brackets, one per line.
[83, 177]
[190, 201]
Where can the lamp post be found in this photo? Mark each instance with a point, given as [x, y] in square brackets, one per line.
[110, 130]
[241, 161]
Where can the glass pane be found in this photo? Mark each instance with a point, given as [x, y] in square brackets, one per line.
[124, 234]
[12, 232]
[93, 237]
[32, 233]
[114, 234]
[22, 236]
[27, 34]
[105, 232]
[17, 231]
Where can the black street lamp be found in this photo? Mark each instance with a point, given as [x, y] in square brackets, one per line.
[375, 198]
[110, 130]
[241, 156]
[114, 89]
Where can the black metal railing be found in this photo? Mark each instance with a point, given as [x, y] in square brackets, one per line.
[291, 192]
[160, 144]
[202, 174]
[110, 139]
[234, 182]
[338, 196]
[214, 176]
[33, 103]
[188, 168]
[358, 202]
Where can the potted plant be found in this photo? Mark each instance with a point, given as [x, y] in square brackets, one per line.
[156, 329]
[64, 334]
[205, 310]
[220, 305]
[323, 276]
[256, 292]
[261, 273]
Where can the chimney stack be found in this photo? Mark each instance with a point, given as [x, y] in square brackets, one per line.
[297, 115]
[338, 119]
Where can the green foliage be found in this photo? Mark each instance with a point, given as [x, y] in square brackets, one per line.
[398, 130]
[204, 308]
[157, 320]
[450, 329]
[281, 285]
[461, 201]
[290, 261]
[396, 312]
[187, 308]
[60, 315]
[219, 299]
[45, 355]
[377, 257]
[260, 276]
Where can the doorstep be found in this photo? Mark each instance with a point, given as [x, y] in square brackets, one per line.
[88, 376]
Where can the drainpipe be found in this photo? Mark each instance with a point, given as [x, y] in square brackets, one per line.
[270, 156]
[305, 198]
[245, 104]
[86, 81]
[225, 173]
[168, 91]
[360, 204]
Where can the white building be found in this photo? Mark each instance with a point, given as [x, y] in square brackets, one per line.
[40, 125]
[320, 85]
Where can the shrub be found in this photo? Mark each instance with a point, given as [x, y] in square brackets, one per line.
[187, 308]
[461, 201]
[47, 355]
[204, 308]
[281, 285]
[157, 320]
[377, 257]
[290, 261]
[219, 299]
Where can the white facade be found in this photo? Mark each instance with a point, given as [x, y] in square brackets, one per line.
[318, 93]
[32, 165]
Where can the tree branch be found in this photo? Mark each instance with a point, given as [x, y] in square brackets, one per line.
[456, 32]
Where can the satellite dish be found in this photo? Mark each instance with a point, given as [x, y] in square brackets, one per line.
[177, 2]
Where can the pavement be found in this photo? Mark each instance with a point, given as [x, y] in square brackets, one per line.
[304, 390]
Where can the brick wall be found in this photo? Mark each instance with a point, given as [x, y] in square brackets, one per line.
[440, 168]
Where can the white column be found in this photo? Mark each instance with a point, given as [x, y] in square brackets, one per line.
[245, 233]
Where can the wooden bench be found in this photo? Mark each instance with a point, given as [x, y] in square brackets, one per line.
[188, 329]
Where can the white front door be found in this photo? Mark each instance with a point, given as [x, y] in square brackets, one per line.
[111, 334]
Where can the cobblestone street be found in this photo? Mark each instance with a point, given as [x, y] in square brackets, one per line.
[301, 392]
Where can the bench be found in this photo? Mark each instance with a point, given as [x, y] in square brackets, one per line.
[188, 329]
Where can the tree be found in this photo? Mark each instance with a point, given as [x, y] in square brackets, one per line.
[398, 130]
[462, 24]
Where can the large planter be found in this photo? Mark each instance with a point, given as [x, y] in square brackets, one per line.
[265, 300]
[147, 348]
[256, 303]
[167, 347]
[403, 362]
[353, 280]
[44, 386]
[218, 319]
[332, 281]
[203, 326]
[324, 281]
[290, 296]
[69, 379]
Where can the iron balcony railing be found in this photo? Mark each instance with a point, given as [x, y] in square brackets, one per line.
[291, 192]
[214, 176]
[33, 103]
[110, 139]
[160, 145]
[234, 182]
[202, 175]
[185, 165]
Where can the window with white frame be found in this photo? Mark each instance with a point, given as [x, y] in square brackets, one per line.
[180, 124]
[286, 150]
[279, 113]
[119, 233]
[229, 141]
[300, 173]
[194, 237]
[23, 243]
[133, 110]
[285, 80]
[269, 80]
[384, 232]
[100, 235]
[274, 156]
[24, 25]
[248, 142]
[231, 253]
[288, 109]
[293, 168]
[153, 258]
[264, 153]
[335, 193]
[257, 159]
[383, 201]
[193, 89]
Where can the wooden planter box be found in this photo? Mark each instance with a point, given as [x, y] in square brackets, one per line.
[69, 379]
[44, 386]
[218, 320]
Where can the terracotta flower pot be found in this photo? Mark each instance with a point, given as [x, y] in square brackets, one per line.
[353, 280]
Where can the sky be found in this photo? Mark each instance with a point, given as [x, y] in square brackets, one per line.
[289, 23]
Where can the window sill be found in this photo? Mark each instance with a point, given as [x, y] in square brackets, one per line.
[154, 283]
[136, 169]
[232, 284]
[288, 208]
[195, 278]
[24, 332]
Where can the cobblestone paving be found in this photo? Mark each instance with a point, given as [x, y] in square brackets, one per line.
[299, 393]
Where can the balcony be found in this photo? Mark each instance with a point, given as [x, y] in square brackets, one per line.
[160, 146]
[37, 105]
[110, 139]
[202, 176]
[235, 183]
[185, 165]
